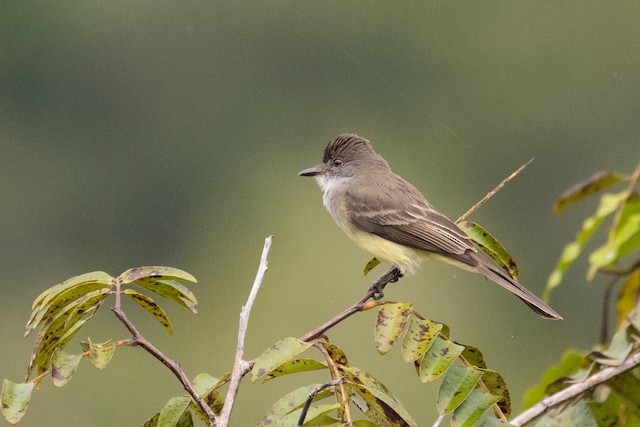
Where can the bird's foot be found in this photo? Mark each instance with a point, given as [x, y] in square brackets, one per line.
[390, 276]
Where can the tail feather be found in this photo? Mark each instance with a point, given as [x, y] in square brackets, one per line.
[502, 279]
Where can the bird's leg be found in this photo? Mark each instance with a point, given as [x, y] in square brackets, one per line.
[390, 276]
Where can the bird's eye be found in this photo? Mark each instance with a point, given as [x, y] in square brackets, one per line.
[336, 162]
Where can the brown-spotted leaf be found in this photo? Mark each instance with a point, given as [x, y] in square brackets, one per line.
[418, 338]
[151, 306]
[14, 399]
[458, 382]
[373, 263]
[438, 359]
[171, 290]
[490, 246]
[275, 356]
[63, 366]
[99, 353]
[156, 272]
[494, 382]
[392, 318]
[592, 185]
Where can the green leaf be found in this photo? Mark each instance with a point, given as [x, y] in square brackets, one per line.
[438, 359]
[455, 387]
[628, 297]
[176, 413]
[286, 411]
[59, 329]
[206, 386]
[278, 354]
[608, 205]
[574, 415]
[99, 353]
[14, 399]
[496, 385]
[295, 366]
[473, 356]
[151, 306]
[96, 276]
[171, 290]
[373, 263]
[624, 239]
[571, 361]
[380, 406]
[592, 185]
[418, 338]
[392, 318]
[203, 383]
[156, 272]
[60, 301]
[319, 412]
[627, 387]
[473, 407]
[490, 246]
[63, 366]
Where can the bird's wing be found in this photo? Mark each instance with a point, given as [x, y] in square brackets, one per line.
[374, 209]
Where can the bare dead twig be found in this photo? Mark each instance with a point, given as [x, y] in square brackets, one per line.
[241, 366]
[492, 192]
[576, 389]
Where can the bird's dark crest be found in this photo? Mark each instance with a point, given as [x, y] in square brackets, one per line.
[346, 146]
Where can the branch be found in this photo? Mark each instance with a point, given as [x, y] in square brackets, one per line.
[492, 192]
[138, 340]
[312, 395]
[241, 366]
[575, 390]
[375, 291]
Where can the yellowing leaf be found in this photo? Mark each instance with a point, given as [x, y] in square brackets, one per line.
[418, 338]
[14, 400]
[592, 185]
[275, 356]
[495, 384]
[392, 318]
[373, 263]
[286, 411]
[628, 297]
[151, 306]
[156, 272]
[99, 353]
[63, 366]
[170, 289]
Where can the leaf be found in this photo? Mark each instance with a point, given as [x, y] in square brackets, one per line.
[281, 352]
[624, 239]
[14, 400]
[377, 403]
[95, 276]
[473, 407]
[156, 272]
[418, 338]
[175, 413]
[99, 353]
[473, 356]
[151, 306]
[206, 386]
[373, 263]
[618, 349]
[59, 330]
[438, 359]
[574, 415]
[336, 354]
[628, 297]
[171, 290]
[490, 246]
[60, 301]
[295, 366]
[496, 385]
[458, 382]
[392, 318]
[286, 411]
[608, 205]
[627, 387]
[571, 361]
[592, 185]
[63, 366]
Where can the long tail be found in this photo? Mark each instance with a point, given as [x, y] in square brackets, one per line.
[517, 289]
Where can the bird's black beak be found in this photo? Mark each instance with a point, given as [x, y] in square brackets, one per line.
[313, 171]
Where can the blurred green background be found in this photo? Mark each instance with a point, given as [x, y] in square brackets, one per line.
[171, 133]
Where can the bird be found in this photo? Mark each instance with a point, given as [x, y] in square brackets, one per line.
[388, 217]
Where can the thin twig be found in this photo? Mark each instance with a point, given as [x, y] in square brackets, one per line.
[362, 305]
[138, 340]
[492, 192]
[312, 396]
[576, 389]
[241, 366]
